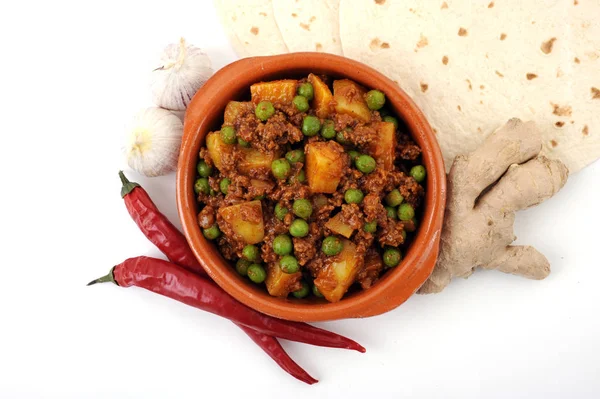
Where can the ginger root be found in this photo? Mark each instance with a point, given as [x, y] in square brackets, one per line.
[485, 188]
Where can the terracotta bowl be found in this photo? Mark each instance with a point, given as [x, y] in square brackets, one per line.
[205, 113]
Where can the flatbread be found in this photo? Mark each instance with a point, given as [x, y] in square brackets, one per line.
[309, 25]
[470, 66]
[251, 27]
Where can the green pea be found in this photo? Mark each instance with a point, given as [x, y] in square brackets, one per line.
[251, 253]
[316, 292]
[405, 212]
[260, 197]
[300, 177]
[353, 196]
[392, 257]
[201, 186]
[310, 125]
[212, 233]
[295, 156]
[365, 163]
[280, 211]
[404, 234]
[280, 168]
[370, 227]
[302, 208]
[375, 100]
[332, 246]
[320, 200]
[301, 103]
[203, 169]
[241, 267]
[306, 90]
[302, 292]
[418, 173]
[341, 138]
[299, 228]
[264, 110]
[256, 273]
[224, 185]
[212, 192]
[394, 198]
[328, 129]
[391, 212]
[243, 143]
[289, 264]
[353, 155]
[282, 245]
[228, 135]
[391, 119]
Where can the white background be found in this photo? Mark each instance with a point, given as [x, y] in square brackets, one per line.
[72, 74]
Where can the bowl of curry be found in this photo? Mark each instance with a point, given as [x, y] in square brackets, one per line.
[310, 187]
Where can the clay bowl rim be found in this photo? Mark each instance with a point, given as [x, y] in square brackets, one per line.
[205, 113]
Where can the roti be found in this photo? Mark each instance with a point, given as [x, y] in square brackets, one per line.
[309, 25]
[251, 27]
[471, 66]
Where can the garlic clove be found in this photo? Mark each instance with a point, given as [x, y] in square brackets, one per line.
[153, 141]
[183, 70]
[180, 115]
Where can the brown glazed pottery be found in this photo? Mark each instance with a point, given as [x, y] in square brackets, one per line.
[205, 113]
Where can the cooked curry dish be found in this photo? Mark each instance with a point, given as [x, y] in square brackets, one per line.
[312, 187]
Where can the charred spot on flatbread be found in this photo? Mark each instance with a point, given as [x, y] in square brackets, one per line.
[559, 110]
[546, 46]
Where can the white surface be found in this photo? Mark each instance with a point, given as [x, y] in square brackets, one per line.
[72, 75]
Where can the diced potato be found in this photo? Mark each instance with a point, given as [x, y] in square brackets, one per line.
[254, 160]
[336, 225]
[334, 280]
[261, 185]
[234, 109]
[246, 220]
[323, 97]
[384, 148]
[216, 148]
[349, 99]
[277, 91]
[324, 166]
[280, 284]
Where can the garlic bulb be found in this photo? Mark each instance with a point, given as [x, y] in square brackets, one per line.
[184, 69]
[153, 141]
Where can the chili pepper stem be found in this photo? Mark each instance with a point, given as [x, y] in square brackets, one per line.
[109, 278]
[127, 185]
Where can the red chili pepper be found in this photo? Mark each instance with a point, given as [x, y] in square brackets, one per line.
[172, 281]
[161, 232]
[156, 227]
[273, 348]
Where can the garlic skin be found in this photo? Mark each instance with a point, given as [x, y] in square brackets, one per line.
[180, 115]
[153, 141]
[183, 70]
